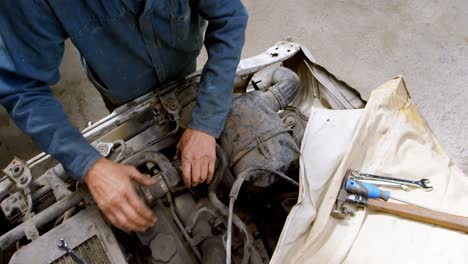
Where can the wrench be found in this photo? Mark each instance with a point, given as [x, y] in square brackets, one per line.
[64, 245]
[423, 183]
[404, 187]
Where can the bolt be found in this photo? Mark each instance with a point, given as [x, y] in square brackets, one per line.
[17, 170]
[103, 149]
[290, 120]
[171, 103]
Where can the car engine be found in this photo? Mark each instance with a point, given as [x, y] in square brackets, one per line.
[237, 218]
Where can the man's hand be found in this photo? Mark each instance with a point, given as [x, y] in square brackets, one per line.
[198, 153]
[110, 184]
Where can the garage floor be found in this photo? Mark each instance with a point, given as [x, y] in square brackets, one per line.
[363, 42]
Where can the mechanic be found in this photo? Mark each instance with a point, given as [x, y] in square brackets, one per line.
[129, 47]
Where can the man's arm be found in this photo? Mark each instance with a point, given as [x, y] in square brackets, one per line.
[224, 39]
[31, 48]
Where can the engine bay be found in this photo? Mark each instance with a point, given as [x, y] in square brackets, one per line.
[237, 218]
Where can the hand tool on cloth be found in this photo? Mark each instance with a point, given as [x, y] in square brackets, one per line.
[353, 195]
[370, 191]
[404, 184]
[63, 244]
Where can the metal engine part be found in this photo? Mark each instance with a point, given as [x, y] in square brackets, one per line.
[86, 233]
[14, 205]
[254, 134]
[296, 121]
[183, 233]
[42, 205]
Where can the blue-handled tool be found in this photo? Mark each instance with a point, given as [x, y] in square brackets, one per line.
[371, 191]
[366, 189]
[357, 193]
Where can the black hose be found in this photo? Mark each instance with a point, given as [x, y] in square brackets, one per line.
[233, 196]
[283, 83]
[221, 170]
[151, 156]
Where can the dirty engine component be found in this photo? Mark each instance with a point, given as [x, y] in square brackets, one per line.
[255, 135]
[40, 204]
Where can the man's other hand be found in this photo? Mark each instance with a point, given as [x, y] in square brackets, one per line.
[110, 184]
[198, 153]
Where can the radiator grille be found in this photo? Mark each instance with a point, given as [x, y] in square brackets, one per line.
[91, 251]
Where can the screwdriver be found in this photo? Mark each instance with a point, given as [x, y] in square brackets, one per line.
[371, 191]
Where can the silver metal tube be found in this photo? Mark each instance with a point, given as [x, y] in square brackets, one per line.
[40, 219]
[403, 200]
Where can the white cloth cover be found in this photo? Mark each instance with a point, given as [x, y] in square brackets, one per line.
[388, 137]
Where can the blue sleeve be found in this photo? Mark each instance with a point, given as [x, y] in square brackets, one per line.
[31, 48]
[224, 39]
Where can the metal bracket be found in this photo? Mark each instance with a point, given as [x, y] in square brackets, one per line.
[19, 173]
[31, 232]
[13, 205]
[171, 105]
[104, 148]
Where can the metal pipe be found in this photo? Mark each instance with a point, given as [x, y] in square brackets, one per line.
[6, 184]
[40, 219]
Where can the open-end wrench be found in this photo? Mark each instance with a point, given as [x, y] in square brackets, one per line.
[63, 244]
[375, 179]
[384, 183]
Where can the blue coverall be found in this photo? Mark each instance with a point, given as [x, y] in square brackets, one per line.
[132, 46]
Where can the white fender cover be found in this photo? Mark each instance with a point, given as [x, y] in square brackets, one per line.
[388, 137]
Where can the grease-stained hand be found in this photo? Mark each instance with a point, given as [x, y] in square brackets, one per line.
[110, 184]
[198, 153]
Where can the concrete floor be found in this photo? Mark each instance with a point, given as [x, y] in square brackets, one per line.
[363, 42]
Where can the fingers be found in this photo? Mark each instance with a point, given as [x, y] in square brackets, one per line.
[196, 172]
[211, 168]
[130, 215]
[186, 172]
[120, 221]
[141, 209]
[136, 221]
[204, 166]
[139, 177]
[111, 186]
[200, 168]
[197, 150]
